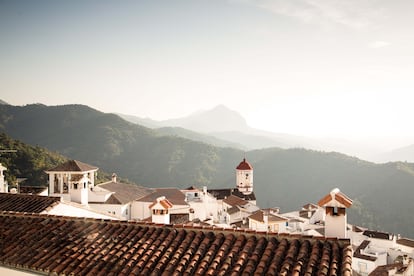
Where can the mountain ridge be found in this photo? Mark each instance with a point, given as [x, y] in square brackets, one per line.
[237, 131]
[287, 178]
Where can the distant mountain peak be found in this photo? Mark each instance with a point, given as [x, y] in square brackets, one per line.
[219, 118]
[221, 107]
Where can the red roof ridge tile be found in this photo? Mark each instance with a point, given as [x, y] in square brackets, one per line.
[337, 195]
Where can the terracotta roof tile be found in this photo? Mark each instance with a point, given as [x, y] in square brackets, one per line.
[406, 242]
[343, 199]
[377, 234]
[26, 203]
[360, 255]
[165, 203]
[259, 216]
[244, 165]
[63, 245]
[174, 195]
[384, 270]
[125, 193]
[73, 166]
[233, 200]
[310, 206]
[33, 190]
[224, 193]
[338, 196]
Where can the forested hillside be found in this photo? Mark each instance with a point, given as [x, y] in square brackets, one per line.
[114, 145]
[28, 162]
[285, 178]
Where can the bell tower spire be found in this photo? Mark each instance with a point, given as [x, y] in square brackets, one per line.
[244, 177]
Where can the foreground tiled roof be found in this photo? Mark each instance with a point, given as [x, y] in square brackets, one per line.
[26, 203]
[61, 245]
[73, 166]
[125, 193]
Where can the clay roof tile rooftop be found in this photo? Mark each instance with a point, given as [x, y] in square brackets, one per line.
[77, 246]
[73, 166]
[221, 194]
[260, 214]
[244, 165]
[233, 200]
[406, 242]
[174, 195]
[26, 203]
[125, 193]
[338, 196]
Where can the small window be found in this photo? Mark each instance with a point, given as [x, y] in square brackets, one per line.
[75, 186]
[65, 187]
[362, 267]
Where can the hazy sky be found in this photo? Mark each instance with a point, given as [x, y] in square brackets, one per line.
[313, 67]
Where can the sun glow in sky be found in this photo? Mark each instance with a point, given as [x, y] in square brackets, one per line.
[308, 67]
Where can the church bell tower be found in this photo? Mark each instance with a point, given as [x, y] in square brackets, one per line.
[244, 177]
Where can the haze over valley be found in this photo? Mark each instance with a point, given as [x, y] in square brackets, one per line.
[231, 129]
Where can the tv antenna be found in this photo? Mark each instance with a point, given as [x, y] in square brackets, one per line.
[6, 151]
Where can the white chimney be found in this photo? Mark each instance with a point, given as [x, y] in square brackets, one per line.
[114, 177]
[160, 198]
[405, 260]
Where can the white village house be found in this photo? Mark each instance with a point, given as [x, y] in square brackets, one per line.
[4, 188]
[74, 181]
